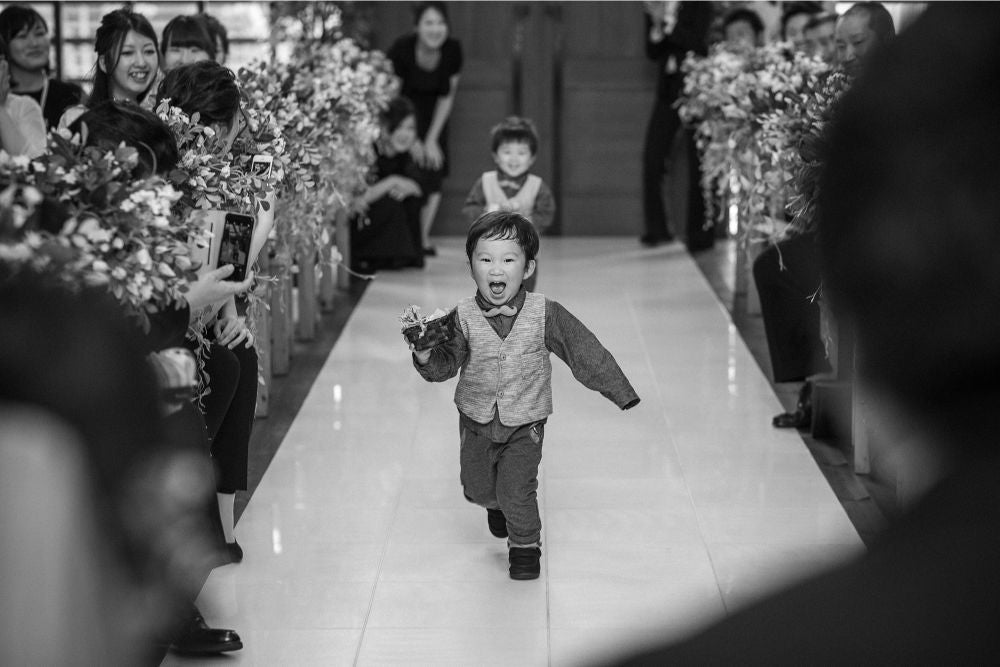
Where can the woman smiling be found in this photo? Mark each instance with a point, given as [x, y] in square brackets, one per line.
[127, 61]
[27, 36]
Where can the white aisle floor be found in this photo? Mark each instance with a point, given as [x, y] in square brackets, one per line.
[361, 550]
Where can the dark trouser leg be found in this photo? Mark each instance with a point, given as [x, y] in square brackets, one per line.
[478, 458]
[505, 476]
[791, 318]
[663, 125]
[700, 232]
[235, 372]
[517, 484]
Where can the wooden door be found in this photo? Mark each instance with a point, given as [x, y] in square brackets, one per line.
[579, 71]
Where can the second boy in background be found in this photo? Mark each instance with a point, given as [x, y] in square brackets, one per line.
[512, 186]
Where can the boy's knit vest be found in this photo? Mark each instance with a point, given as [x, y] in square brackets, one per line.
[514, 374]
[523, 202]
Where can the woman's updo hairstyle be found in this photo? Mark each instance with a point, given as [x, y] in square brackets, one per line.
[111, 35]
[204, 87]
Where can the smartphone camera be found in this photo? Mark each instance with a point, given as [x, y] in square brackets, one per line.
[234, 248]
[260, 165]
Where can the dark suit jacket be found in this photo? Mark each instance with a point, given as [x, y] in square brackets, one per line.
[690, 33]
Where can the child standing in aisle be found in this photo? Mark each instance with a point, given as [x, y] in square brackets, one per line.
[500, 349]
[511, 186]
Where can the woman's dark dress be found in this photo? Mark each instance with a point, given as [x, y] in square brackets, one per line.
[388, 235]
[424, 87]
[62, 95]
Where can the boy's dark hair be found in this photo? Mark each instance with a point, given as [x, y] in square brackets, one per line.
[399, 109]
[111, 123]
[514, 129]
[879, 20]
[188, 31]
[503, 225]
[205, 87]
[747, 16]
[421, 7]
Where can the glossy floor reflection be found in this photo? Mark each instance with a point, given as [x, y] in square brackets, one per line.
[360, 549]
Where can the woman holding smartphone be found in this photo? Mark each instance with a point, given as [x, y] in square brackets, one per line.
[211, 90]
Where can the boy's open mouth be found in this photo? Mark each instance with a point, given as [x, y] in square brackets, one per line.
[497, 287]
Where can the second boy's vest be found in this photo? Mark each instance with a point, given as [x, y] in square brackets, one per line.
[523, 202]
[514, 374]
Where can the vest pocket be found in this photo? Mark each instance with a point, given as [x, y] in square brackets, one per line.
[533, 363]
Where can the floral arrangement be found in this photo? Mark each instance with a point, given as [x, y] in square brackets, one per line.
[209, 176]
[327, 105]
[738, 101]
[114, 230]
[793, 140]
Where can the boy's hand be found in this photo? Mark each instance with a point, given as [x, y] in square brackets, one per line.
[422, 356]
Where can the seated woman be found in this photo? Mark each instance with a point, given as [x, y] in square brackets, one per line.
[386, 230]
[211, 90]
[27, 37]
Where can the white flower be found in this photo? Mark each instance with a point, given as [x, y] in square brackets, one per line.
[143, 258]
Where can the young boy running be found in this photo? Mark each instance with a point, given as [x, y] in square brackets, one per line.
[500, 350]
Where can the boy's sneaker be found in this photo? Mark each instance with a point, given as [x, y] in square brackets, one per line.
[497, 522]
[524, 562]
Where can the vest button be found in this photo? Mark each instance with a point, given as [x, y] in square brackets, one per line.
[500, 394]
[503, 357]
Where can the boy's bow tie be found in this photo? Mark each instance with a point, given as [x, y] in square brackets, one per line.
[509, 311]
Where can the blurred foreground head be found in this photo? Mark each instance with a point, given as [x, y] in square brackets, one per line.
[910, 220]
[103, 542]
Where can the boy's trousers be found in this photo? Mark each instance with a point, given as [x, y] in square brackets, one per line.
[504, 475]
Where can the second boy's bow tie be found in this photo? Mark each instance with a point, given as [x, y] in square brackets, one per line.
[509, 311]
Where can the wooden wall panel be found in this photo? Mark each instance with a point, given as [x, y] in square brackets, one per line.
[584, 81]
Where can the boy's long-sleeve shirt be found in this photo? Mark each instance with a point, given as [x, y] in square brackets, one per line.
[565, 336]
[541, 214]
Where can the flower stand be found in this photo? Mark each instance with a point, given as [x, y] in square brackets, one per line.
[308, 296]
[281, 314]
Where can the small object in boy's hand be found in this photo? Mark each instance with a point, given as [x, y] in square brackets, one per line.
[426, 332]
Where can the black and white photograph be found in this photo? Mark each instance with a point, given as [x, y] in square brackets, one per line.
[573, 333]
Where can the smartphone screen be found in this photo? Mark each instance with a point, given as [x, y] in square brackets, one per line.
[235, 246]
[260, 165]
